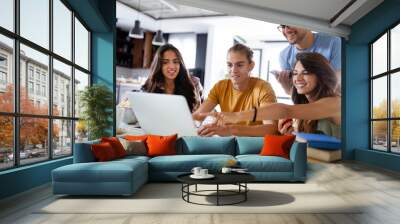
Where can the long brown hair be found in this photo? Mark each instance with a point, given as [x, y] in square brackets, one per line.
[318, 65]
[183, 84]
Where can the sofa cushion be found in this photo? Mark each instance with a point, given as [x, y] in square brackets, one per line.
[161, 145]
[185, 163]
[129, 159]
[277, 145]
[194, 145]
[112, 171]
[118, 177]
[134, 147]
[103, 151]
[257, 163]
[116, 145]
[249, 145]
[135, 137]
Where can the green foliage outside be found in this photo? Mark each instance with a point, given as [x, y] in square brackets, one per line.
[96, 102]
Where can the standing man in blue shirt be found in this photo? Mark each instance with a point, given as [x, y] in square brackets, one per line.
[303, 40]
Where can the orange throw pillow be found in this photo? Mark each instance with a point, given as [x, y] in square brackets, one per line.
[116, 145]
[161, 145]
[135, 137]
[277, 145]
[103, 152]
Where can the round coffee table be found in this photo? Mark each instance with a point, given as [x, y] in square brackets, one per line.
[238, 179]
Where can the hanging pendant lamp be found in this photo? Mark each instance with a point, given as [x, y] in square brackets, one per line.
[136, 31]
[158, 39]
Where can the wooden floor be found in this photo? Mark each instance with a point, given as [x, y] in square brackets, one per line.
[378, 189]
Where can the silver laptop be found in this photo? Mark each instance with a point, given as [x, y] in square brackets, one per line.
[162, 114]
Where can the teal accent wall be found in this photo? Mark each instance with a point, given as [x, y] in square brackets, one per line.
[356, 100]
[356, 91]
[24, 178]
[99, 16]
[103, 53]
[380, 159]
[89, 11]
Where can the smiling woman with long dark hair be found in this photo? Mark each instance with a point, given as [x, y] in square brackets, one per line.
[168, 74]
[319, 81]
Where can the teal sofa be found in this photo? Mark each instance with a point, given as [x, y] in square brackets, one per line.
[125, 176]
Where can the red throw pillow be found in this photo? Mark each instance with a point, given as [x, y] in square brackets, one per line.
[277, 145]
[135, 137]
[103, 151]
[116, 145]
[161, 145]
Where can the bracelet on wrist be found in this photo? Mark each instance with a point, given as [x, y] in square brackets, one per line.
[255, 114]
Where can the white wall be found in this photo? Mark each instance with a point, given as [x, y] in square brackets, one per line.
[219, 41]
[270, 62]
[186, 44]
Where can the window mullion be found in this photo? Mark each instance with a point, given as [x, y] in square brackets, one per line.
[371, 137]
[388, 96]
[50, 81]
[73, 81]
[16, 84]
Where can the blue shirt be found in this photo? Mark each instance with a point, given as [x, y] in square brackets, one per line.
[329, 46]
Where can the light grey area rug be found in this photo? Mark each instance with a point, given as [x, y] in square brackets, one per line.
[166, 198]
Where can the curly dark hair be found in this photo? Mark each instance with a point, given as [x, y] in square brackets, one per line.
[183, 84]
[317, 64]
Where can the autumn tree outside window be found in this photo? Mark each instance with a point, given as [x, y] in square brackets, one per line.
[44, 64]
[385, 96]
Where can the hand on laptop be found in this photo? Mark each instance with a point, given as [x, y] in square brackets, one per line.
[214, 124]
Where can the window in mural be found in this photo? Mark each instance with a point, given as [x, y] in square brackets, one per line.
[385, 97]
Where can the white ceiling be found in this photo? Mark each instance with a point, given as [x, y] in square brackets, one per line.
[329, 16]
[319, 8]
[166, 9]
[260, 30]
[312, 14]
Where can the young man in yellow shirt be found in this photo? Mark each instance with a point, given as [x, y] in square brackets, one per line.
[239, 93]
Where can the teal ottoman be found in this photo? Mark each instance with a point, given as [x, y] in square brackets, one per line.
[118, 177]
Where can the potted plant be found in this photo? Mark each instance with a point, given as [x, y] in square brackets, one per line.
[96, 102]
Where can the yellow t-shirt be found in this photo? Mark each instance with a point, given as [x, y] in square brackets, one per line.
[259, 94]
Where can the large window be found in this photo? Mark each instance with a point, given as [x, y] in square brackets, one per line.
[385, 96]
[7, 14]
[40, 80]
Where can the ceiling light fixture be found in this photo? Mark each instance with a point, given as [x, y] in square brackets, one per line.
[137, 32]
[158, 39]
